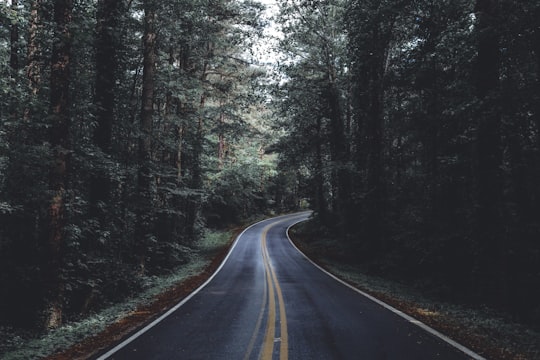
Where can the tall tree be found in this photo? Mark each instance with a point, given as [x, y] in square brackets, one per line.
[371, 27]
[107, 43]
[144, 176]
[14, 63]
[14, 51]
[34, 61]
[489, 154]
[316, 81]
[61, 149]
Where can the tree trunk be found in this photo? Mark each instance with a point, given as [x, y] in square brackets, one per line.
[107, 42]
[321, 204]
[374, 167]
[431, 140]
[374, 135]
[108, 19]
[221, 139]
[199, 137]
[489, 155]
[14, 62]
[180, 134]
[14, 37]
[33, 68]
[536, 192]
[144, 182]
[60, 142]
[338, 147]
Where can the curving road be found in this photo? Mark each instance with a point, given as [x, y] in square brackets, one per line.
[268, 301]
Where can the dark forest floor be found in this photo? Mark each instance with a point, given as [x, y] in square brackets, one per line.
[483, 330]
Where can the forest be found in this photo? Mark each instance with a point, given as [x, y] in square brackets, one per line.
[414, 128]
[129, 127]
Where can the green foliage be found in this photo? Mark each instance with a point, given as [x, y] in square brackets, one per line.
[24, 345]
[236, 193]
[395, 141]
[202, 152]
[311, 99]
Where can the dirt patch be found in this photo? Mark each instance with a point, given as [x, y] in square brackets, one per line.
[96, 344]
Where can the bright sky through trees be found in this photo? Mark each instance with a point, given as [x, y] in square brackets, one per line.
[266, 50]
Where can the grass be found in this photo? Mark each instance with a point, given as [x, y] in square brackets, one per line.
[23, 346]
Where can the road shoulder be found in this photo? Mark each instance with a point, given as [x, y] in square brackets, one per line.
[482, 330]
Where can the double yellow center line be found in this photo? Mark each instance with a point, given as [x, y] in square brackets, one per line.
[273, 285]
[272, 289]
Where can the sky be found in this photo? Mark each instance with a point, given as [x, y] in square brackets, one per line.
[265, 50]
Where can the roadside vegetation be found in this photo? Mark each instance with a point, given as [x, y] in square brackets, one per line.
[493, 334]
[157, 294]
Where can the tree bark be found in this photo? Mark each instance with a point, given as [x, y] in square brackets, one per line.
[107, 42]
[14, 62]
[489, 155]
[536, 48]
[374, 135]
[221, 137]
[14, 37]
[374, 163]
[60, 142]
[144, 182]
[180, 134]
[321, 203]
[33, 68]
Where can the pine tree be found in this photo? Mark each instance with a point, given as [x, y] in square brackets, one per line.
[60, 167]
[144, 175]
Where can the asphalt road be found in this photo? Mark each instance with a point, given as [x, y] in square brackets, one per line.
[268, 301]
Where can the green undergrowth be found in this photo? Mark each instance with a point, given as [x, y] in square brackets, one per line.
[23, 346]
[497, 332]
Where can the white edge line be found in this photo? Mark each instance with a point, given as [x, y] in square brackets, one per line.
[187, 298]
[409, 318]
